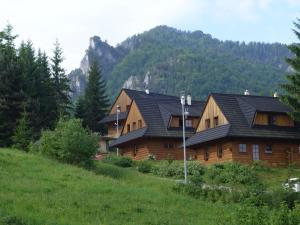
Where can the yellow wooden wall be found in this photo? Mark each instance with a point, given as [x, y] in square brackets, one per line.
[211, 110]
[123, 101]
[281, 120]
[134, 115]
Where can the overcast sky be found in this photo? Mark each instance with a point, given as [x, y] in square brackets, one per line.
[73, 22]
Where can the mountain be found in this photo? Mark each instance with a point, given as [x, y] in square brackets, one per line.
[167, 60]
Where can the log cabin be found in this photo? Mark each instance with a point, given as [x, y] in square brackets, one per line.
[152, 124]
[246, 128]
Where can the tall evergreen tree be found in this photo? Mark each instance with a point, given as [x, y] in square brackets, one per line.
[292, 87]
[48, 104]
[80, 108]
[11, 85]
[95, 99]
[61, 81]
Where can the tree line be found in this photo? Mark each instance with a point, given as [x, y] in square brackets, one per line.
[35, 92]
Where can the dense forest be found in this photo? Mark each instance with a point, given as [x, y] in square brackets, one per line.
[168, 60]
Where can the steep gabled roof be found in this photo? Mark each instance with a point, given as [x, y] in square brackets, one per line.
[240, 110]
[156, 110]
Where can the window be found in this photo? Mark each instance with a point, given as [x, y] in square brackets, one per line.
[255, 152]
[242, 148]
[168, 145]
[180, 123]
[134, 126]
[216, 121]
[271, 120]
[206, 154]
[219, 151]
[127, 107]
[139, 123]
[128, 128]
[188, 123]
[207, 123]
[135, 150]
[268, 149]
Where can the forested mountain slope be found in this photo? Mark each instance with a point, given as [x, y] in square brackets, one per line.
[168, 60]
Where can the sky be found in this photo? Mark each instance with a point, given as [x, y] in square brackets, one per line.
[73, 22]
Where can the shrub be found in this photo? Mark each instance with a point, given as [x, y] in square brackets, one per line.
[118, 160]
[69, 143]
[176, 169]
[12, 220]
[234, 173]
[144, 167]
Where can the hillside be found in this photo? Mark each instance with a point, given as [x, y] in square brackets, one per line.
[168, 60]
[36, 190]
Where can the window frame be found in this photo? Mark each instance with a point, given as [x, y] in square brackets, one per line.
[206, 154]
[216, 121]
[128, 128]
[139, 124]
[133, 125]
[242, 148]
[268, 151]
[219, 151]
[190, 121]
[207, 123]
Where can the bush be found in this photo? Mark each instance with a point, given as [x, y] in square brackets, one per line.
[108, 170]
[12, 220]
[69, 143]
[144, 167]
[176, 169]
[234, 173]
[118, 160]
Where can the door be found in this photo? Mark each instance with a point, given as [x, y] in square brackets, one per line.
[255, 152]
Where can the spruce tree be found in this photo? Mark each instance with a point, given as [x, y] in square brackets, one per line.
[95, 99]
[61, 81]
[23, 133]
[48, 105]
[11, 86]
[80, 108]
[292, 87]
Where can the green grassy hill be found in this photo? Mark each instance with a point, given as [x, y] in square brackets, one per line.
[35, 190]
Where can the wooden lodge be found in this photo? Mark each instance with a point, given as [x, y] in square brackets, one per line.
[150, 124]
[226, 127]
[246, 128]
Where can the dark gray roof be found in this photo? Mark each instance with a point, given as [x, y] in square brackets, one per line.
[157, 110]
[240, 110]
[129, 137]
[113, 117]
[208, 135]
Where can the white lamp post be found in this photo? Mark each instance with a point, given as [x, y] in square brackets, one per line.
[184, 114]
[118, 111]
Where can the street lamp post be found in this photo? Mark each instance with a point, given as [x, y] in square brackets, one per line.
[118, 111]
[184, 114]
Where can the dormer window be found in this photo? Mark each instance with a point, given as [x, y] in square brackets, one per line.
[207, 123]
[271, 119]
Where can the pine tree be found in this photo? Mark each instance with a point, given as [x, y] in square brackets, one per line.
[292, 87]
[61, 81]
[80, 108]
[11, 86]
[95, 99]
[48, 105]
[23, 133]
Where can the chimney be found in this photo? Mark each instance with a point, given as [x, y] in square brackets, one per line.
[246, 92]
[275, 95]
[189, 99]
[147, 91]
